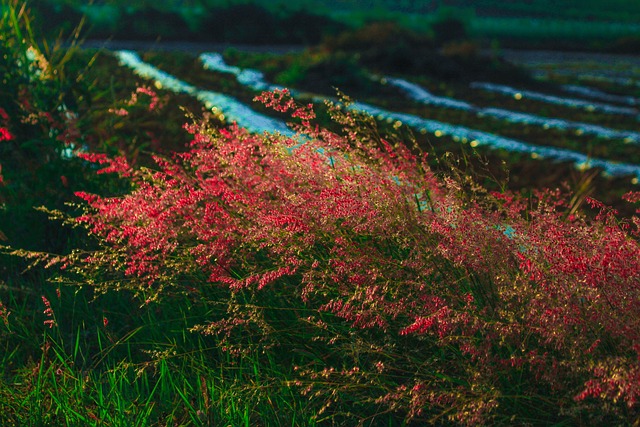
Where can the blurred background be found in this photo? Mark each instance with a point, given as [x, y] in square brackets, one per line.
[605, 25]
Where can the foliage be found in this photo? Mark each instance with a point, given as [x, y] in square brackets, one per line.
[231, 23]
[151, 23]
[49, 111]
[590, 25]
[387, 47]
[39, 103]
[331, 278]
[55, 17]
[107, 362]
[451, 25]
[254, 24]
[391, 290]
[319, 72]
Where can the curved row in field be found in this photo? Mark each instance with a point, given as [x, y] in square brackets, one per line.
[232, 109]
[458, 133]
[419, 94]
[592, 93]
[477, 138]
[625, 81]
[569, 102]
[253, 79]
[622, 80]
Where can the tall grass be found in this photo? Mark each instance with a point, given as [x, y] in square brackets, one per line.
[391, 291]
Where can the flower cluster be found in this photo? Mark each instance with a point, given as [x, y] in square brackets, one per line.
[50, 321]
[5, 134]
[153, 103]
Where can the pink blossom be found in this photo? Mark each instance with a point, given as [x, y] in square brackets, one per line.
[5, 135]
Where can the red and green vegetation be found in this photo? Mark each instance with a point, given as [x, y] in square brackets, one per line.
[187, 272]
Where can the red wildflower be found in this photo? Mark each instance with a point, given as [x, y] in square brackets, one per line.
[5, 135]
[48, 311]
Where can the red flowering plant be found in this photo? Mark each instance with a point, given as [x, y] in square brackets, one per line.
[136, 120]
[391, 289]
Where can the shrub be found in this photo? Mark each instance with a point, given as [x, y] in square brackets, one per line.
[626, 45]
[309, 28]
[319, 72]
[255, 24]
[391, 290]
[382, 35]
[451, 25]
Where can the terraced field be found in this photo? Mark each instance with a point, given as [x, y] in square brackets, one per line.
[570, 129]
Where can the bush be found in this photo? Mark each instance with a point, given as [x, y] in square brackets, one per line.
[308, 28]
[253, 24]
[379, 35]
[626, 45]
[47, 115]
[391, 290]
[450, 26]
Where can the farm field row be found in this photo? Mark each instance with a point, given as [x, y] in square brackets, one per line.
[531, 129]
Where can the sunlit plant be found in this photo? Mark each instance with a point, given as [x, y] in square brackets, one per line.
[387, 286]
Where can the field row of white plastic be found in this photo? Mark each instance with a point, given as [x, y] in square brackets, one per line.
[234, 110]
